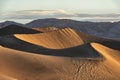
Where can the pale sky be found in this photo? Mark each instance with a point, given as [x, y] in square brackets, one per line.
[56, 8]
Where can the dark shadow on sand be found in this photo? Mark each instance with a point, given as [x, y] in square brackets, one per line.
[83, 51]
[15, 29]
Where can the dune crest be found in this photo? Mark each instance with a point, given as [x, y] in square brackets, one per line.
[46, 29]
[108, 53]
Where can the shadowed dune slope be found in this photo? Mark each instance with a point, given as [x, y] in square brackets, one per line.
[27, 66]
[112, 44]
[58, 39]
[15, 29]
[81, 51]
[63, 42]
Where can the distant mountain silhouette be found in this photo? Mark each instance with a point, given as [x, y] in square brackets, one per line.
[7, 23]
[101, 29]
[15, 29]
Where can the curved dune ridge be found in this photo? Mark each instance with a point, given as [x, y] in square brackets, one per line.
[59, 39]
[108, 53]
[63, 54]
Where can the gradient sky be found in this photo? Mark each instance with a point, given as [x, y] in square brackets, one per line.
[55, 6]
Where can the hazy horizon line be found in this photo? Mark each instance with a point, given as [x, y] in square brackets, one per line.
[29, 15]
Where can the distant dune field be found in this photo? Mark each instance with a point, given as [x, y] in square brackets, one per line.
[57, 54]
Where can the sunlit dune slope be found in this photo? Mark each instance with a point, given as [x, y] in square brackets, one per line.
[58, 39]
[46, 29]
[108, 53]
[27, 66]
[15, 29]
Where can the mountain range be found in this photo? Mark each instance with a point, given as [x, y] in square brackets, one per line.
[102, 29]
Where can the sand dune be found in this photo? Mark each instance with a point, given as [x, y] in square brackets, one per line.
[108, 53]
[112, 57]
[79, 51]
[29, 66]
[25, 66]
[62, 54]
[58, 39]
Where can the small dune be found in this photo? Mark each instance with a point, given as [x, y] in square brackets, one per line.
[108, 53]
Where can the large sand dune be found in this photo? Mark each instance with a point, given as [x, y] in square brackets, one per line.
[58, 39]
[28, 66]
[62, 54]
